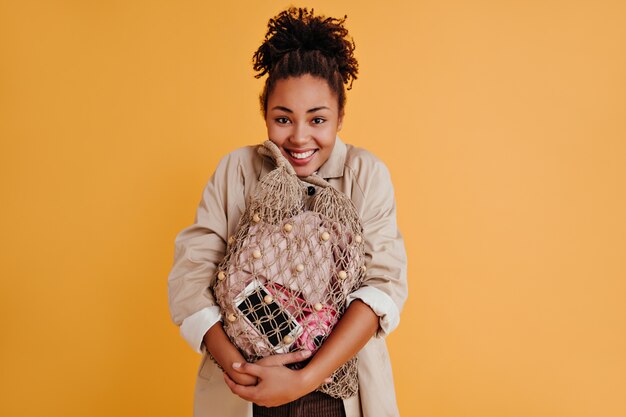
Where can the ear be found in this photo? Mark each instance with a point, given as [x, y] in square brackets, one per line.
[340, 122]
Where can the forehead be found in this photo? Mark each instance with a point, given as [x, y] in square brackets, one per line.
[302, 93]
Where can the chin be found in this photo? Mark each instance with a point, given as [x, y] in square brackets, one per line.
[303, 173]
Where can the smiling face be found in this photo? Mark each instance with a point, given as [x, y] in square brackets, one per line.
[303, 120]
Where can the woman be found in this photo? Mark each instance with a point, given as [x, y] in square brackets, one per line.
[308, 60]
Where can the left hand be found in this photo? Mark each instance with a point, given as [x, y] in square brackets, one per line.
[277, 385]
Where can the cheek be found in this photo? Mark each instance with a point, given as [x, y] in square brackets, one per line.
[330, 131]
[328, 140]
[274, 134]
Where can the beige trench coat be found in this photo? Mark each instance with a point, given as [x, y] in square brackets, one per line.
[200, 247]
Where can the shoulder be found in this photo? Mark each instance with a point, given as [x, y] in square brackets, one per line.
[364, 167]
[244, 161]
[240, 155]
[367, 181]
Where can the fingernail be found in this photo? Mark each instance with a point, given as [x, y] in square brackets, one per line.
[306, 353]
[236, 365]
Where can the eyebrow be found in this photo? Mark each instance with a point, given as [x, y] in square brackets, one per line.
[288, 110]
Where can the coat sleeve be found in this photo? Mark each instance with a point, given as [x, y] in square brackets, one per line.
[198, 249]
[384, 287]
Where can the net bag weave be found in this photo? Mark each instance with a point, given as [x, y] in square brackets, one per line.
[283, 283]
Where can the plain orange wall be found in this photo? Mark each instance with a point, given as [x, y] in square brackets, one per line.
[502, 122]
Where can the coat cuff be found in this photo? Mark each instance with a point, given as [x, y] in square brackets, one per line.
[194, 327]
[381, 304]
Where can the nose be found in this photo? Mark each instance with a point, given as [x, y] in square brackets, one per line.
[300, 134]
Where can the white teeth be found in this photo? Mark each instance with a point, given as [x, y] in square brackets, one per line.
[301, 155]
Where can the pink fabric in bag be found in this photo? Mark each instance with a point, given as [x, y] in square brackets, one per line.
[297, 291]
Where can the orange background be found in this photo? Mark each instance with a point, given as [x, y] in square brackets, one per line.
[502, 122]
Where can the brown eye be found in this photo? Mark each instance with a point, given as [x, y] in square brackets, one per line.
[318, 121]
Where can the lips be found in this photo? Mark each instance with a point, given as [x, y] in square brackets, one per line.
[301, 157]
[302, 154]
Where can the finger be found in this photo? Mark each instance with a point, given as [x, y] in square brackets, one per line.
[328, 380]
[285, 358]
[229, 382]
[294, 357]
[227, 379]
[248, 368]
[246, 393]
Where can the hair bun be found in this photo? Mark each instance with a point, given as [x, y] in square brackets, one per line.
[297, 29]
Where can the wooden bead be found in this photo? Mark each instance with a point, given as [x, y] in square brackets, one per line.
[268, 299]
[231, 240]
[256, 254]
[256, 218]
[342, 275]
[299, 267]
[287, 339]
[221, 275]
[325, 236]
[358, 239]
[318, 306]
[232, 317]
[288, 227]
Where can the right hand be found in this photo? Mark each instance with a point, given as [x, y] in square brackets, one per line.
[281, 359]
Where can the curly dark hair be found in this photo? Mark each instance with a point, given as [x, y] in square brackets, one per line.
[298, 43]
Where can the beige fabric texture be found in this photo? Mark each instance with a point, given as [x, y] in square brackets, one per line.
[201, 247]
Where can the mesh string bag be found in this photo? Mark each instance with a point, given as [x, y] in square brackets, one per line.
[283, 283]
